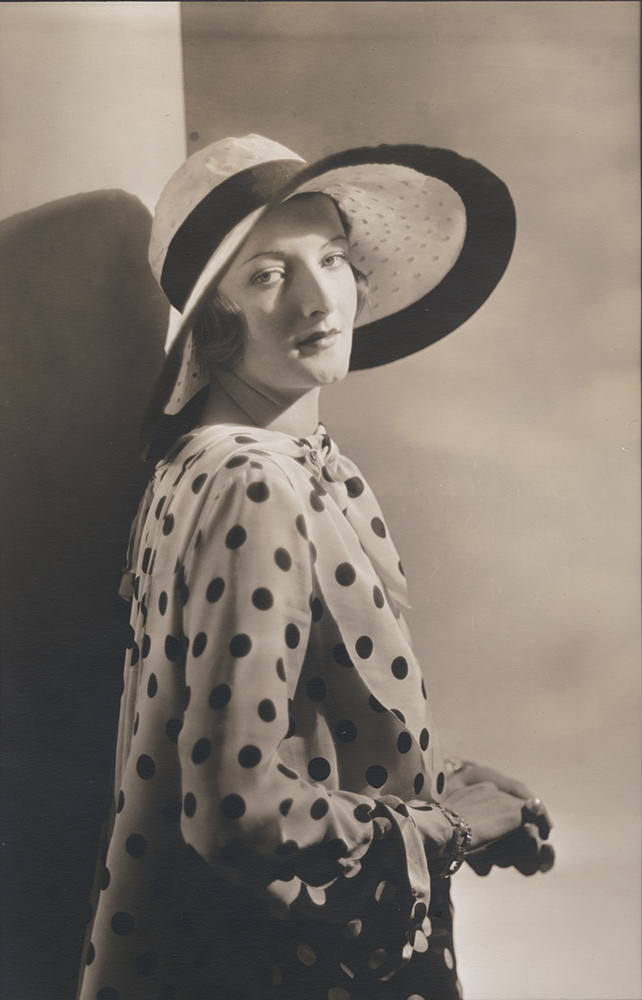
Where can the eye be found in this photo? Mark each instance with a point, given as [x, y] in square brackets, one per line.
[335, 259]
[268, 277]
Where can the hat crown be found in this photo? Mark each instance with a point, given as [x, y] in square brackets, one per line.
[200, 174]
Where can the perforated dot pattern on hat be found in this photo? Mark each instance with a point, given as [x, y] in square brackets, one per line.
[407, 231]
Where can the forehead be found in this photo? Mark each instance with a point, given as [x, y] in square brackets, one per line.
[299, 217]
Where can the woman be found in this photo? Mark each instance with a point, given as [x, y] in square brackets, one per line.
[283, 825]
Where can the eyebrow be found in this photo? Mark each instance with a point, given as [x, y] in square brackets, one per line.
[283, 256]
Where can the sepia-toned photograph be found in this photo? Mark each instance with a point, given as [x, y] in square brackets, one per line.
[320, 567]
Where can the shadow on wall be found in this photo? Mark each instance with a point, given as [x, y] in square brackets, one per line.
[83, 323]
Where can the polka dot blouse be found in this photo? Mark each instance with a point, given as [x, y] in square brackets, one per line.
[274, 727]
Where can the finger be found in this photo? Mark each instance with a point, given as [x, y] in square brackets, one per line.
[480, 863]
[546, 858]
[534, 811]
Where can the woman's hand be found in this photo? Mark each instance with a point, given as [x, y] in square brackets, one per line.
[523, 849]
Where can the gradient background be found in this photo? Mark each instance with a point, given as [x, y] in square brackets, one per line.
[506, 457]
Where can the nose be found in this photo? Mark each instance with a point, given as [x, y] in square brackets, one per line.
[316, 295]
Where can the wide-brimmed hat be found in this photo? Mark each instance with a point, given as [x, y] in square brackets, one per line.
[431, 230]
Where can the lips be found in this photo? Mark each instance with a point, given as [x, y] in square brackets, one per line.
[318, 337]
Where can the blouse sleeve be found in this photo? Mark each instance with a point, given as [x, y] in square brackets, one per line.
[247, 623]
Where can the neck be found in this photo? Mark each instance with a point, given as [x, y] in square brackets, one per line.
[231, 400]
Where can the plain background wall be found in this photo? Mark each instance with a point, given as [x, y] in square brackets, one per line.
[92, 99]
[506, 457]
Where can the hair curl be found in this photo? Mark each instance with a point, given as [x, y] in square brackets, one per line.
[219, 332]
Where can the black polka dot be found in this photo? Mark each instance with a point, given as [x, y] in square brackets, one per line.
[418, 783]
[235, 537]
[136, 723]
[354, 486]
[346, 731]
[232, 806]
[287, 847]
[245, 439]
[146, 962]
[172, 810]
[91, 954]
[401, 569]
[280, 669]
[168, 524]
[362, 813]
[316, 689]
[135, 585]
[173, 648]
[424, 738]
[286, 771]
[316, 502]
[146, 557]
[262, 599]
[345, 574]
[376, 705]
[402, 809]
[135, 654]
[319, 808]
[399, 667]
[201, 750]
[363, 646]
[121, 801]
[131, 635]
[136, 845]
[105, 878]
[423, 691]
[215, 590]
[441, 780]
[301, 526]
[420, 912]
[285, 806]
[399, 714]
[378, 527]
[291, 729]
[292, 636]
[404, 742]
[258, 492]
[107, 993]
[236, 461]
[220, 696]
[313, 551]
[378, 597]
[283, 559]
[376, 775]
[266, 710]
[199, 644]
[122, 923]
[249, 756]
[152, 686]
[172, 729]
[316, 608]
[159, 507]
[162, 602]
[145, 767]
[147, 645]
[336, 849]
[341, 655]
[162, 886]
[240, 645]
[189, 805]
[199, 482]
[319, 768]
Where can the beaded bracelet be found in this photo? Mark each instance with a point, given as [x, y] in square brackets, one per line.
[462, 838]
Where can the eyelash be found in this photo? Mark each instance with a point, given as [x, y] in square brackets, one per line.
[337, 255]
